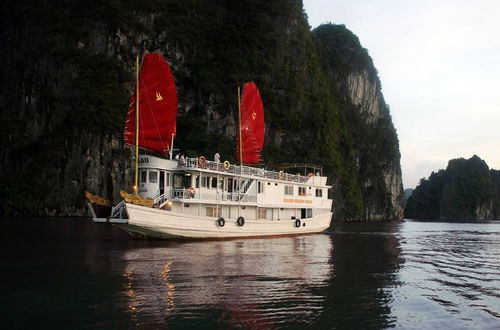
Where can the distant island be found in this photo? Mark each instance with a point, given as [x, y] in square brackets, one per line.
[466, 190]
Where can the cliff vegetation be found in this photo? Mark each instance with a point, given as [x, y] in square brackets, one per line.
[67, 71]
[466, 190]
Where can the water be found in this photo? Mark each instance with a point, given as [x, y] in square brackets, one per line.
[70, 273]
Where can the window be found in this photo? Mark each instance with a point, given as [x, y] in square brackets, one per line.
[144, 176]
[212, 211]
[153, 177]
[177, 181]
[302, 191]
[260, 187]
[167, 179]
[204, 181]
[261, 213]
[288, 190]
[197, 181]
[214, 182]
[319, 193]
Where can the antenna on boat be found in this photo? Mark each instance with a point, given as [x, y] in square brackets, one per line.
[239, 125]
[136, 171]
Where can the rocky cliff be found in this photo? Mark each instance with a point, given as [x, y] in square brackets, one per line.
[466, 190]
[67, 71]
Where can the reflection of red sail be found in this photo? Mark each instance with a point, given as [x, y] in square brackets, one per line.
[252, 125]
[157, 106]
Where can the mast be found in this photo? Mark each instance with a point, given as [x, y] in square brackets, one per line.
[136, 172]
[239, 125]
[171, 151]
[241, 154]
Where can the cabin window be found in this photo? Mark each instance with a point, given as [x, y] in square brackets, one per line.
[197, 181]
[214, 182]
[212, 211]
[144, 176]
[260, 186]
[153, 177]
[319, 193]
[288, 190]
[204, 182]
[302, 191]
[261, 213]
[178, 181]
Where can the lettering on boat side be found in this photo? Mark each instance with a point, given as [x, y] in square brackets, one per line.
[144, 160]
[296, 200]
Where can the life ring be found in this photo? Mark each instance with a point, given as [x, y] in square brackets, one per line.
[297, 223]
[240, 221]
[191, 192]
[226, 165]
[281, 175]
[310, 174]
[221, 222]
[202, 161]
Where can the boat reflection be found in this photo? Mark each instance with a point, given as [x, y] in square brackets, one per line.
[252, 283]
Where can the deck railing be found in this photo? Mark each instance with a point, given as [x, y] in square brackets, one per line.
[177, 194]
[117, 211]
[243, 169]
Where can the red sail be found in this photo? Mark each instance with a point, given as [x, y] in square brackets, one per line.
[157, 106]
[252, 125]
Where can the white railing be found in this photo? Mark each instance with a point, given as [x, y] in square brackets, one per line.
[183, 193]
[117, 211]
[220, 196]
[245, 170]
[160, 199]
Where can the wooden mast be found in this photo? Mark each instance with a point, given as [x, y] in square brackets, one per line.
[241, 153]
[136, 172]
[239, 125]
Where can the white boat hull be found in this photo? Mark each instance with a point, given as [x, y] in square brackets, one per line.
[159, 223]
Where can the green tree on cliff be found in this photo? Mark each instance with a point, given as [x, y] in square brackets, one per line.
[466, 190]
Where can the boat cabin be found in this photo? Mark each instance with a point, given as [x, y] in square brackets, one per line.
[207, 188]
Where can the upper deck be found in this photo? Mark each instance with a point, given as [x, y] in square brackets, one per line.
[193, 180]
[225, 168]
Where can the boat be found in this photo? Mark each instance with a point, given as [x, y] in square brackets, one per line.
[198, 198]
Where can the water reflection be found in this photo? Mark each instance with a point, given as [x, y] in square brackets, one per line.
[403, 275]
[249, 283]
[367, 261]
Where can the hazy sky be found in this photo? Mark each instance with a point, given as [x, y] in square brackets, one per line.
[439, 63]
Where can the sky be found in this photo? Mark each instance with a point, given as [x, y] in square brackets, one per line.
[439, 64]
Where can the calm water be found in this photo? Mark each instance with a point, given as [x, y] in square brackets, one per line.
[70, 273]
